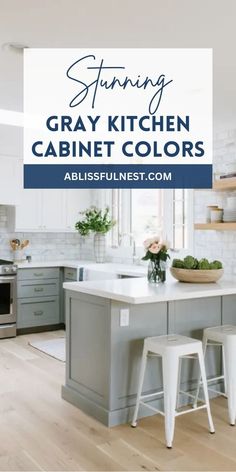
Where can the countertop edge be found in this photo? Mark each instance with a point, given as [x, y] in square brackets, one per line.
[213, 292]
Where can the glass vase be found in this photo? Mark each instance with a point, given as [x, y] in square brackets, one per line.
[99, 247]
[156, 272]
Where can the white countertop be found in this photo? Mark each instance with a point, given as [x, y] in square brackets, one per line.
[60, 263]
[137, 291]
[130, 270]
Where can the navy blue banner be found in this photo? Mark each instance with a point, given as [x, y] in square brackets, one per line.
[117, 176]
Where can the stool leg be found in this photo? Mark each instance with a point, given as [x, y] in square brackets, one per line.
[179, 382]
[224, 368]
[170, 381]
[230, 375]
[204, 385]
[140, 385]
[204, 347]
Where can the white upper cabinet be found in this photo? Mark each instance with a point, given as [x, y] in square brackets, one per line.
[11, 170]
[76, 201]
[46, 210]
[28, 212]
[50, 210]
[10, 180]
[53, 210]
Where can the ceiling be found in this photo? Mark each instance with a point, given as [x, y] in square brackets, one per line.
[123, 23]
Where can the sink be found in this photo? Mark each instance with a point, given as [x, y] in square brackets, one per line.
[110, 271]
[93, 274]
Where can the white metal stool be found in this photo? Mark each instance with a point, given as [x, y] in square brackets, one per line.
[225, 337]
[171, 348]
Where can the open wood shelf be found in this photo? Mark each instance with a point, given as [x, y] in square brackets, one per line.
[216, 226]
[225, 184]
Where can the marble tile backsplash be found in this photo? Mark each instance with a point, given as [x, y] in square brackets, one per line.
[58, 246]
[49, 246]
[217, 244]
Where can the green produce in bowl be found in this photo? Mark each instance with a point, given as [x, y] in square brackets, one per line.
[216, 265]
[204, 264]
[190, 262]
[178, 264]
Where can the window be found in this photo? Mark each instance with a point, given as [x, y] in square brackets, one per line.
[180, 233]
[146, 213]
[140, 212]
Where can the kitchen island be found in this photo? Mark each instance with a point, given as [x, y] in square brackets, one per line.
[106, 324]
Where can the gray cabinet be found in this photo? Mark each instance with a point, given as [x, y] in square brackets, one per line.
[127, 346]
[70, 274]
[38, 273]
[229, 309]
[36, 288]
[34, 312]
[103, 357]
[38, 297]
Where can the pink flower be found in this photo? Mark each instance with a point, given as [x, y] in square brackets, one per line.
[166, 244]
[155, 248]
[148, 242]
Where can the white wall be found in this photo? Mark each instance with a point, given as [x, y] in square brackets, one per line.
[217, 244]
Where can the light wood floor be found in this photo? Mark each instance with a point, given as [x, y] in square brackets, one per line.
[40, 431]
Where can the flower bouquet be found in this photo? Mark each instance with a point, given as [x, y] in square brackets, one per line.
[157, 254]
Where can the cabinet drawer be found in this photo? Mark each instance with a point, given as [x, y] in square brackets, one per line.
[70, 274]
[38, 273]
[37, 312]
[32, 288]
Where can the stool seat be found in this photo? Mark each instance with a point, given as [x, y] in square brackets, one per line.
[172, 348]
[224, 336]
[219, 333]
[181, 344]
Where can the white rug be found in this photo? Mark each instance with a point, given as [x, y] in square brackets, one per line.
[53, 347]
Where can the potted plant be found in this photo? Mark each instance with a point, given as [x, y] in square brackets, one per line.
[99, 222]
[157, 254]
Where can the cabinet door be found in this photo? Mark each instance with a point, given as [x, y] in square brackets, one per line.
[10, 180]
[50, 209]
[32, 288]
[76, 200]
[28, 216]
[53, 210]
[33, 312]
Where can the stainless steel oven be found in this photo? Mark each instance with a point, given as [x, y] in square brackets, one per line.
[7, 299]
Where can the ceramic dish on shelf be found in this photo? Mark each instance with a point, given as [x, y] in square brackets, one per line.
[231, 203]
[196, 276]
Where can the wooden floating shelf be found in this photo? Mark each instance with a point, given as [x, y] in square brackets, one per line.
[225, 184]
[216, 226]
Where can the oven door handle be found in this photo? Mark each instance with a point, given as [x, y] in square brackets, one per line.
[4, 279]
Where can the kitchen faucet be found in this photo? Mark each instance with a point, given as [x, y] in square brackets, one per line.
[134, 251]
[135, 258]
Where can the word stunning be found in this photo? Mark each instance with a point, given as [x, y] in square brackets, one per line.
[74, 73]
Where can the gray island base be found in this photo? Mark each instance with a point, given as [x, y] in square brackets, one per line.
[103, 357]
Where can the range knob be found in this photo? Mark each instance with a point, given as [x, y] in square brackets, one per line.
[6, 269]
